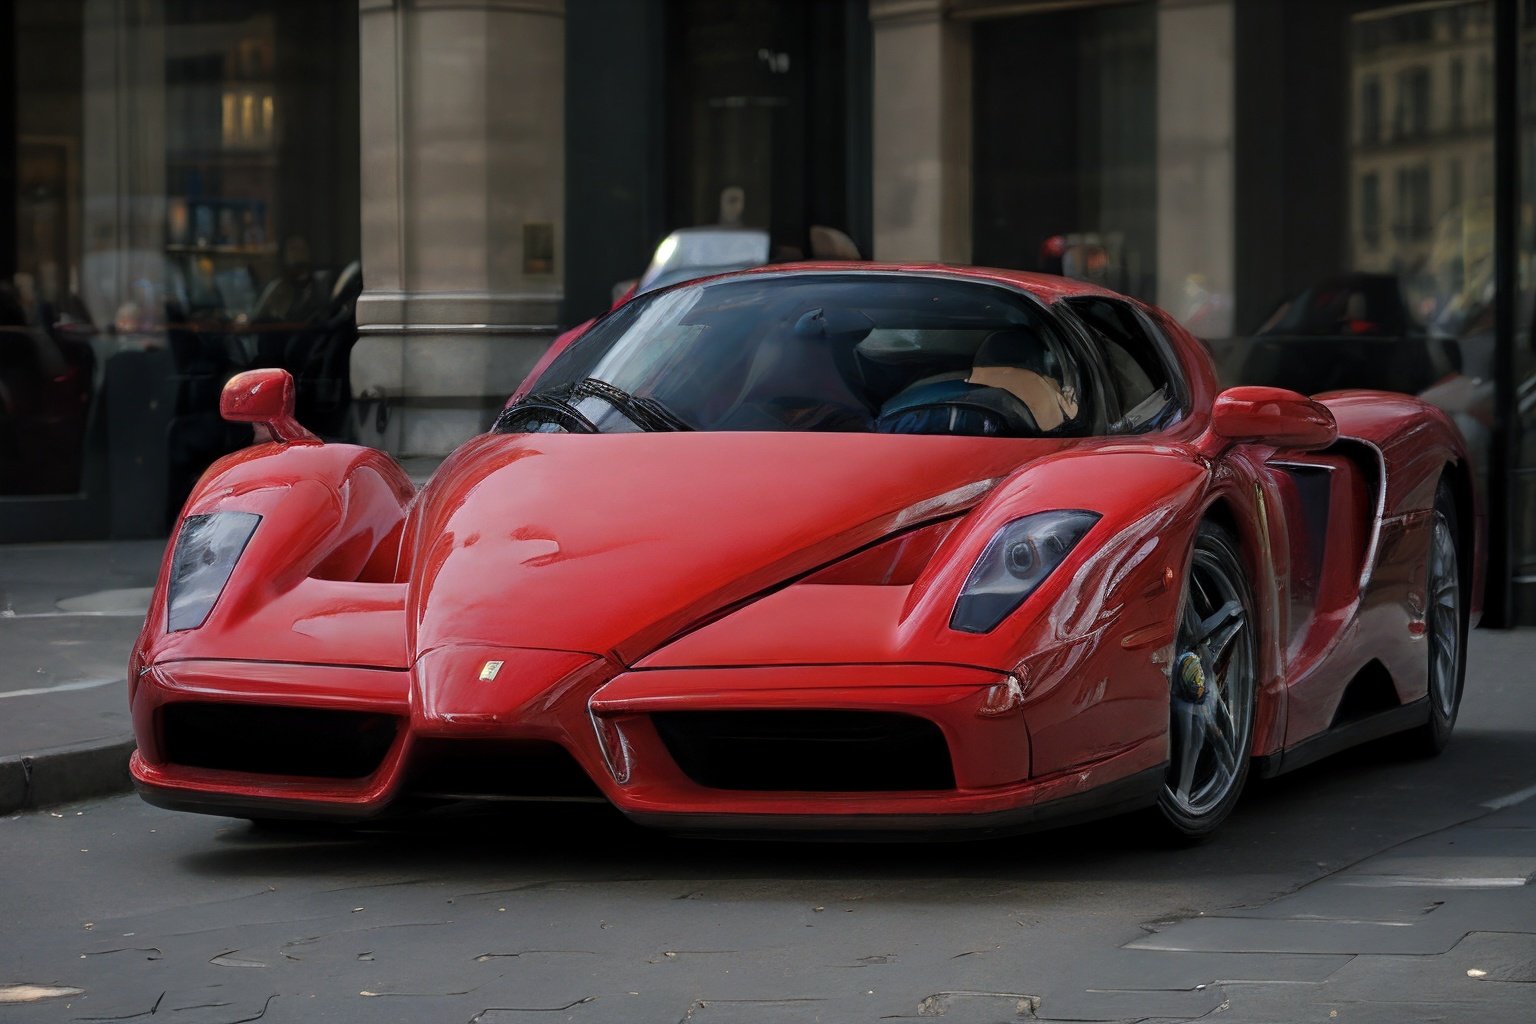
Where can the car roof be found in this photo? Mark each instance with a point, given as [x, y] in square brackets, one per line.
[1047, 288]
[1190, 360]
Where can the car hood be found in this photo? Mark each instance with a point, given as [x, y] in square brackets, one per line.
[610, 544]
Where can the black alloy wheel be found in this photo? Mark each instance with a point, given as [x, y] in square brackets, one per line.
[1213, 685]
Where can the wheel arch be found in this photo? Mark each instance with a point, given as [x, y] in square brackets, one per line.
[1458, 473]
[1230, 509]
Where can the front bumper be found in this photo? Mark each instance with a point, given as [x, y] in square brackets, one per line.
[544, 706]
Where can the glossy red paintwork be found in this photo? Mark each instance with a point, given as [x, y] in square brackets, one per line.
[1273, 416]
[611, 576]
[265, 398]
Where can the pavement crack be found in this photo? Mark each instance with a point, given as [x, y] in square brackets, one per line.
[551, 883]
[260, 1014]
[673, 954]
[158, 953]
[419, 995]
[527, 1009]
[483, 957]
[377, 885]
[700, 1004]
[228, 959]
[131, 1016]
[1024, 1006]
[876, 960]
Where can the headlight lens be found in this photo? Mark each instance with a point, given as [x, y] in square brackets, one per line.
[1016, 561]
[207, 549]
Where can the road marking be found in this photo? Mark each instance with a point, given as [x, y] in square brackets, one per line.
[84, 684]
[33, 993]
[1510, 799]
[1423, 881]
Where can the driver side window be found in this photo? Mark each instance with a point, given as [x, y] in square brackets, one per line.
[1136, 371]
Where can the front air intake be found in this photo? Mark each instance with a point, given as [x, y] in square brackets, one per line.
[498, 770]
[809, 751]
[308, 742]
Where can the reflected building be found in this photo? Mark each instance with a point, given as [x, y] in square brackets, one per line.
[1421, 155]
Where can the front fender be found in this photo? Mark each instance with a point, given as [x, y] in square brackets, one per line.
[315, 583]
[1091, 645]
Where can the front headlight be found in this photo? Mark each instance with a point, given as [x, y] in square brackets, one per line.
[1016, 561]
[207, 549]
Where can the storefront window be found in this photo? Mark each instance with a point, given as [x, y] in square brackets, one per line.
[1068, 185]
[1309, 187]
[186, 208]
[1523, 491]
[758, 120]
[1401, 297]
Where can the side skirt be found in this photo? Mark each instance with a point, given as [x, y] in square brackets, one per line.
[1341, 737]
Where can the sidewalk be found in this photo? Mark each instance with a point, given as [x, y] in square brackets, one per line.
[68, 615]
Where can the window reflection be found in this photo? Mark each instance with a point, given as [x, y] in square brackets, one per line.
[187, 206]
[1412, 308]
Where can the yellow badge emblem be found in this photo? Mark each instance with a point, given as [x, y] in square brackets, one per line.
[1193, 676]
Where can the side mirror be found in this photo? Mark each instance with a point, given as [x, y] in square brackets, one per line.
[1273, 416]
[265, 398]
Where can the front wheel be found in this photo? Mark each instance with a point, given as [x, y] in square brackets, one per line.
[1212, 690]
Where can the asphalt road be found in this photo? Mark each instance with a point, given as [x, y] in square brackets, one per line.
[1365, 888]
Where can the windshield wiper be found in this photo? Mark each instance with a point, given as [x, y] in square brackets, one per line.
[545, 406]
[559, 406]
[646, 413]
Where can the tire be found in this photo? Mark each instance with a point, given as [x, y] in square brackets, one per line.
[1213, 687]
[1445, 634]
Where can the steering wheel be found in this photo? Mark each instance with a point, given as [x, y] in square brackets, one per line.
[957, 407]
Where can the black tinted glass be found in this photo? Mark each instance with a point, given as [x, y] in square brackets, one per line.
[835, 352]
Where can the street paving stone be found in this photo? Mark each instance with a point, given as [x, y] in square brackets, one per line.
[555, 917]
[1436, 935]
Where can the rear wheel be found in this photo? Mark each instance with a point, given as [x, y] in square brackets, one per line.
[1445, 628]
[1213, 683]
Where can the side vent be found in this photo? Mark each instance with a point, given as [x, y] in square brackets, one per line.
[1370, 692]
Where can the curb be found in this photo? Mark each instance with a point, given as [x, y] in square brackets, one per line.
[64, 774]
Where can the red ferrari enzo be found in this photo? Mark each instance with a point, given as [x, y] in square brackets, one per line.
[837, 548]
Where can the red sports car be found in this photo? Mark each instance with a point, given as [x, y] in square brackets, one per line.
[826, 547]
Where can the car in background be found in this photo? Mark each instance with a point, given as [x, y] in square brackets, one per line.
[1352, 330]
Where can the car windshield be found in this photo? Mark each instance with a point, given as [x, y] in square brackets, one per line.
[850, 352]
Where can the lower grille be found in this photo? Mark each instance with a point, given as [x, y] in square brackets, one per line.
[307, 742]
[814, 751]
[498, 770]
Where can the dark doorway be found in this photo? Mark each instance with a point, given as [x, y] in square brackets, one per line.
[1064, 157]
[760, 99]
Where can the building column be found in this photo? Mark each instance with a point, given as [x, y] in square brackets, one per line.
[463, 168]
[1196, 255]
[123, 265]
[922, 132]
